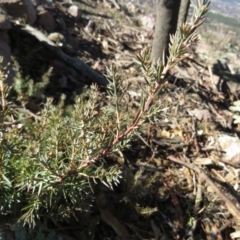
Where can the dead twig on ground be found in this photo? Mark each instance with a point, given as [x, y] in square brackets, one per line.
[74, 62]
[230, 205]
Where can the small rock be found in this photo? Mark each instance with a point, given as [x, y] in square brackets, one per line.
[46, 20]
[4, 20]
[148, 22]
[57, 38]
[75, 12]
[23, 9]
[31, 12]
[5, 37]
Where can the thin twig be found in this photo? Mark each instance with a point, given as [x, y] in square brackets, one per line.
[230, 205]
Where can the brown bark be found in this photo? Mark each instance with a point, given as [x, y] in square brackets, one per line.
[183, 12]
[166, 23]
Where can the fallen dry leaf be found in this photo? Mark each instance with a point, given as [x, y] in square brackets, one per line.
[231, 146]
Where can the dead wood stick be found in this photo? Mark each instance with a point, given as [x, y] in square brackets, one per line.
[230, 205]
[73, 62]
[82, 67]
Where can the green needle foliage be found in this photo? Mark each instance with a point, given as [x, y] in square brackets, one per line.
[52, 158]
[49, 167]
